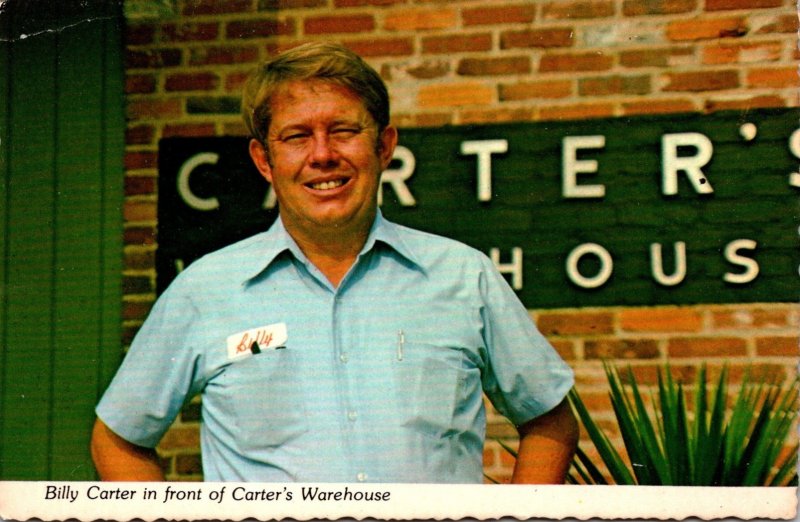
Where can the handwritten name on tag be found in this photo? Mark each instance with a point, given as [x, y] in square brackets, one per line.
[255, 340]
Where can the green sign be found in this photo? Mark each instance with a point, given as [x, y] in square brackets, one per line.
[629, 211]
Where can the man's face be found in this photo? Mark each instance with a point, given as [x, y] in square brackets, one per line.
[324, 157]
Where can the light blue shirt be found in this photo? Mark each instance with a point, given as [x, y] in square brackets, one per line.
[378, 380]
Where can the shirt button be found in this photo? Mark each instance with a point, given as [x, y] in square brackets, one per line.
[361, 476]
[343, 357]
[352, 416]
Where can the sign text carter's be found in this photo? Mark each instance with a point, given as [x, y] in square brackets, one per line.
[631, 211]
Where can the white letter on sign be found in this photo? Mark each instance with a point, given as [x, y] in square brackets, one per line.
[572, 166]
[185, 190]
[657, 264]
[750, 265]
[397, 177]
[671, 163]
[606, 265]
[514, 267]
[484, 149]
[794, 148]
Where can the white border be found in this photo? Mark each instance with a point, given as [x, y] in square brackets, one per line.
[25, 500]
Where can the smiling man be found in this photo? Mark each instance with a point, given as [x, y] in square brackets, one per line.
[336, 346]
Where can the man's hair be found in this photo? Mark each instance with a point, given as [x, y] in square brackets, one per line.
[313, 61]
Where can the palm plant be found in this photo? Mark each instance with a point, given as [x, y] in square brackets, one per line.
[699, 442]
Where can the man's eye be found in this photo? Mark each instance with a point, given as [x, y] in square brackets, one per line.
[345, 132]
[295, 137]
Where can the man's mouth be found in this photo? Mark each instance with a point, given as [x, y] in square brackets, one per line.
[328, 185]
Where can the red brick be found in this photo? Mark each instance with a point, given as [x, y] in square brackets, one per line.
[621, 349]
[773, 78]
[780, 24]
[611, 85]
[136, 285]
[139, 34]
[139, 236]
[272, 5]
[532, 90]
[363, 3]
[216, 55]
[457, 43]
[188, 130]
[189, 464]
[720, 5]
[141, 160]
[496, 15]
[578, 9]
[538, 38]
[234, 82]
[181, 438]
[699, 81]
[707, 347]
[743, 53]
[503, 115]
[653, 106]
[191, 82]
[660, 320]
[494, 66]
[382, 47]
[140, 83]
[766, 101]
[454, 95]
[565, 349]
[136, 310]
[139, 135]
[153, 109]
[190, 32]
[420, 19]
[152, 58]
[654, 57]
[577, 323]
[339, 24]
[576, 111]
[139, 259]
[750, 318]
[647, 375]
[140, 186]
[778, 346]
[133, 211]
[657, 7]
[594, 61]
[700, 29]
[242, 29]
[425, 71]
[215, 7]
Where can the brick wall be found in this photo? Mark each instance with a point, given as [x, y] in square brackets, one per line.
[468, 61]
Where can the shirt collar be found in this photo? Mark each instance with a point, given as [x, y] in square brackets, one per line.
[277, 240]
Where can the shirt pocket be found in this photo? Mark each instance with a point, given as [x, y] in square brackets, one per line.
[267, 400]
[433, 384]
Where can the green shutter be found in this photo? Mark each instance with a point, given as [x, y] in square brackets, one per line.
[61, 112]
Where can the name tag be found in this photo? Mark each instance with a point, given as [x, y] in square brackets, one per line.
[256, 340]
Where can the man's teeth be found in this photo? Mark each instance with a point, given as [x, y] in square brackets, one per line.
[327, 185]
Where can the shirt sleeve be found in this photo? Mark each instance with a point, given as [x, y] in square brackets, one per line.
[524, 377]
[158, 374]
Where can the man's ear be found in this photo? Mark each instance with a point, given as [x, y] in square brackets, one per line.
[260, 157]
[386, 145]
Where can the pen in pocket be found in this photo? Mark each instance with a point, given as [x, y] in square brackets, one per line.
[401, 341]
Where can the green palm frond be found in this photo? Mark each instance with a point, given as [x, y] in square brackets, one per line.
[701, 442]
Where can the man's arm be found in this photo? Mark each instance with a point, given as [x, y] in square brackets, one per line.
[117, 459]
[546, 446]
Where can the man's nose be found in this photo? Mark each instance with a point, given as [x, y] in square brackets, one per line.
[323, 152]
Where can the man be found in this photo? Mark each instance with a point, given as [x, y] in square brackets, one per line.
[336, 346]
